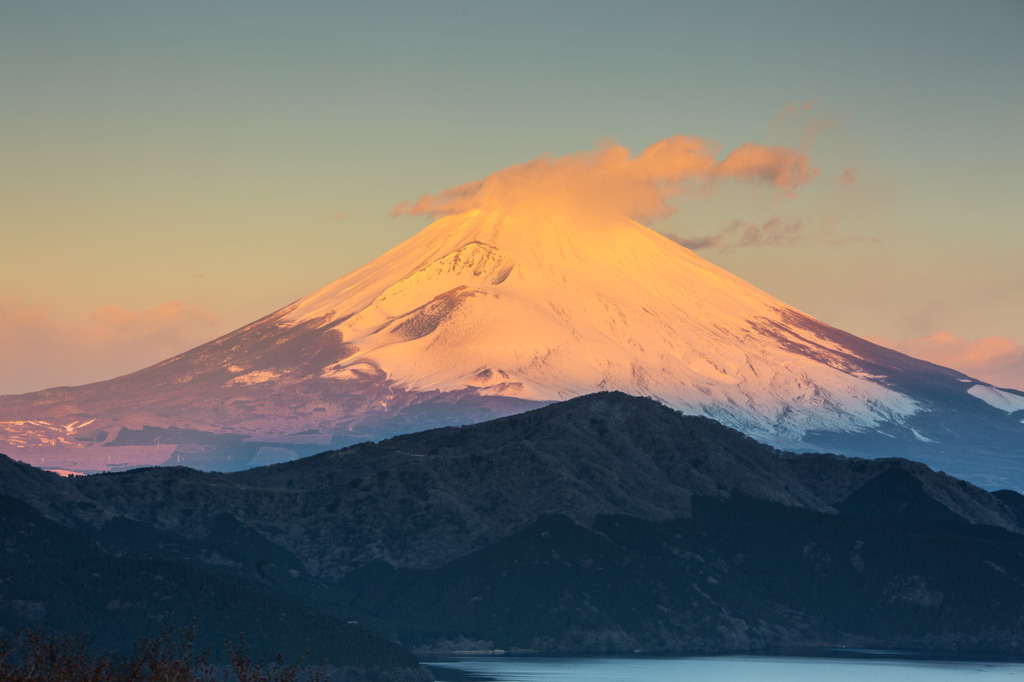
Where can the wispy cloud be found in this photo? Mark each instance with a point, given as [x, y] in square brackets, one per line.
[41, 350]
[999, 360]
[776, 231]
[785, 168]
[806, 120]
[793, 110]
[609, 180]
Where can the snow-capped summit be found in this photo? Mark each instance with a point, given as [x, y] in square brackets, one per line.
[488, 312]
[548, 307]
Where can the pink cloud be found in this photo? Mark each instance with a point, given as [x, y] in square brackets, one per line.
[997, 360]
[608, 180]
[776, 231]
[785, 168]
[41, 350]
[803, 120]
[849, 176]
[793, 110]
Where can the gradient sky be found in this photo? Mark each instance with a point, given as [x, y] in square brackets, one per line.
[172, 171]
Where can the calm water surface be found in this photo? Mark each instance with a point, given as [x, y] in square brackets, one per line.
[719, 668]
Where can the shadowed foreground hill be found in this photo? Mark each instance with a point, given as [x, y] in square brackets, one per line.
[58, 577]
[606, 523]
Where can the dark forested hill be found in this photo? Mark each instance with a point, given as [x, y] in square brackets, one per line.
[605, 523]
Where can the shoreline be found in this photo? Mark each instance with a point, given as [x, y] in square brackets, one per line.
[427, 657]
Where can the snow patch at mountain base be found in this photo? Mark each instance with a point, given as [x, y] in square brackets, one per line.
[350, 370]
[253, 378]
[921, 438]
[1001, 400]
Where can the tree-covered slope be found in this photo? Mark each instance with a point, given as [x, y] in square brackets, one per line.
[511, 533]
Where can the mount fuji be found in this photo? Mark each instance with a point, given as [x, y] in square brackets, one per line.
[487, 313]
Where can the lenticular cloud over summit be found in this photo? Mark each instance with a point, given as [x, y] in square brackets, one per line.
[608, 181]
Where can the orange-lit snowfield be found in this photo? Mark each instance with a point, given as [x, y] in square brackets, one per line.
[549, 304]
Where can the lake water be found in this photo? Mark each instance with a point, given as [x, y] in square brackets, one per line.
[718, 668]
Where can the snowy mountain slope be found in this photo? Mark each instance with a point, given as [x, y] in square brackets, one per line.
[486, 313]
[512, 305]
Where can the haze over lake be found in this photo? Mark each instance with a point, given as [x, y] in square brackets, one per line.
[720, 668]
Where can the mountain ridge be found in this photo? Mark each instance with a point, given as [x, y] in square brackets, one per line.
[615, 454]
[603, 523]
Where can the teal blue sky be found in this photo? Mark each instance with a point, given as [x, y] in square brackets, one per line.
[171, 171]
